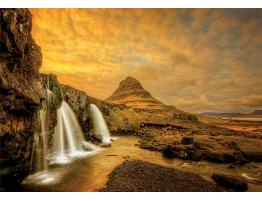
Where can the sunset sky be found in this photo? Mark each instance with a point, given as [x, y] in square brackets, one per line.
[197, 60]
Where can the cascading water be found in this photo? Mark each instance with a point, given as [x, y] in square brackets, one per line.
[69, 139]
[40, 146]
[41, 137]
[99, 124]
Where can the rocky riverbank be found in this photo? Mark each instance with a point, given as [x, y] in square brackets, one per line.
[204, 142]
[141, 176]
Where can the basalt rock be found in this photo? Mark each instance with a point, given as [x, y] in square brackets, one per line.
[20, 60]
[21, 92]
[187, 140]
[253, 155]
[231, 182]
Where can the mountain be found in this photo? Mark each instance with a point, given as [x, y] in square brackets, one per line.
[131, 93]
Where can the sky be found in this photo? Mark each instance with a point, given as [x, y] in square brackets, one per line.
[195, 59]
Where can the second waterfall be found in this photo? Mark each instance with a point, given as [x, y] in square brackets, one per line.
[69, 140]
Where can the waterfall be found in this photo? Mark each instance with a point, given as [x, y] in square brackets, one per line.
[44, 135]
[68, 141]
[68, 138]
[41, 136]
[99, 124]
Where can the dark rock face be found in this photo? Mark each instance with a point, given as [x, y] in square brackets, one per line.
[21, 92]
[253, 156]
[50, 82]
[20, 60]
[231, 182]
[187, 140]
[183, 152]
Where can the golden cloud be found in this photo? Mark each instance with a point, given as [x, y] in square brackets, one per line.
[195, 59]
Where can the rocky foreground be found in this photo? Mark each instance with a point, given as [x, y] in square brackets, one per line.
[140, 176]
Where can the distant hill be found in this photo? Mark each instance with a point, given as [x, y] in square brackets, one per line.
[256, 113]
[224, 114]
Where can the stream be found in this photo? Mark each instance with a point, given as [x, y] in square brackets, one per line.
[91, 172]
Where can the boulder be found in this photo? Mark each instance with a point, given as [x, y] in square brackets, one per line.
[187, 140]
[212, 156]
[231, 182]
[253, 156]
[194, 155]
[169, 152]
[106, 145]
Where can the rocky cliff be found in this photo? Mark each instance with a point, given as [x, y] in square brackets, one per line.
[21, 92]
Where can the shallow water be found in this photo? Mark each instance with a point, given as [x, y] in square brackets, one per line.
[91, 173]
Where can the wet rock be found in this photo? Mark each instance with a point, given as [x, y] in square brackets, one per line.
[231, 182]
[187, 140]
[182, 154]
[235, 157]
[169, 152]
[185, 152]
[194, 155]
[106, 145]
[87, 146]
[224, 157]
[215, 157]
[253, 156]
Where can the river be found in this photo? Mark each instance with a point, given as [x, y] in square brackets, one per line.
[91, 173]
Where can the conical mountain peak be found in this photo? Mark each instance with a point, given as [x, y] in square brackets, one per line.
[131, 93]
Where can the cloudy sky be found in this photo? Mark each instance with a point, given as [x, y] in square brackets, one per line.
[198, 60]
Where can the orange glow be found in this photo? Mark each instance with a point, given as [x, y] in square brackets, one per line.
[197, 60]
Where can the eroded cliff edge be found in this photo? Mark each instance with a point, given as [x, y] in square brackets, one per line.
[21, 92]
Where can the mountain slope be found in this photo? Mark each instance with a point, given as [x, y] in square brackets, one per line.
[131, 93]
